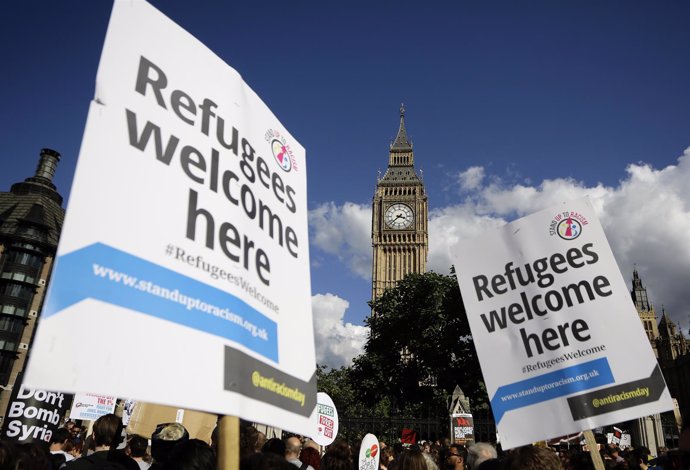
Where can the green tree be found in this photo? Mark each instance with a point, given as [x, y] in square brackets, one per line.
[341, 386]
[419, 336]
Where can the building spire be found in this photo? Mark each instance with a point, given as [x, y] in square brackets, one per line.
[402, 142]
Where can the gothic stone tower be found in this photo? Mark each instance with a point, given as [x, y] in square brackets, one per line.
[399, 228]
[645, 310]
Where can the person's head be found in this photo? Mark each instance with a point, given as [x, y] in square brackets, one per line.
[164, 439]
[478, 453]
[7, 454]
[32, 456]
[455, 457]
[138, 446]
[265, 461]
[338, 456]
[412, 460]
[639, 458]
[274, 446]
[260, 441]
[106, 429]
[310, 456]
[386, 456]
[59, 439]
[531, 458]
[192, 454]
[429, 460]
[293, 447]
[249, 439]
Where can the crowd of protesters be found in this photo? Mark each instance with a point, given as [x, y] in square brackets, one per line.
[170, 447]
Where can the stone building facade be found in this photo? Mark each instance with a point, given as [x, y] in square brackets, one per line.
[31, 217]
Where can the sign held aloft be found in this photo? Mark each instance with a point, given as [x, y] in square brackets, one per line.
[555, 329]
[186, 234]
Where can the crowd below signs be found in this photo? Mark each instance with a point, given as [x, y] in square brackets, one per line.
[170, 447]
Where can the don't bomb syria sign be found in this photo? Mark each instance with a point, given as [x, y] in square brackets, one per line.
[555, 329]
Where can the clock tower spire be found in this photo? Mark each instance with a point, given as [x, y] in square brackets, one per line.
[399, 229]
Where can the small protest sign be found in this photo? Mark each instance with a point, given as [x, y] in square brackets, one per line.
[325, 420]
[369, 454]
[463, 428]
[89, 406]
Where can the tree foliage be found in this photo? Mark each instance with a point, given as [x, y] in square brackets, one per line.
[419, 335]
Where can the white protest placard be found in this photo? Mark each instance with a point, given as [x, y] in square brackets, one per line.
[325, 426]
[369, 454]
[561, 346]
[91, 407]
[186, 234]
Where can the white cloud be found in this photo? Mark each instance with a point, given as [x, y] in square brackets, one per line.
[344, 231]
[337, 342]
[646, 218]
[471, 178]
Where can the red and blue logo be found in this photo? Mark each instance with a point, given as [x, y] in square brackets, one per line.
[568, 225]
[281, 151]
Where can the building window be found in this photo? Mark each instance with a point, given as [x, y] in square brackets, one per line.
[23, 258]
[8, 345]
[11, 325]
[21, 277]
[13, 310]
[17, 290]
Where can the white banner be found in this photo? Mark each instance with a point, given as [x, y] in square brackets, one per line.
[186, 234]
[91, 407]
[561, 346]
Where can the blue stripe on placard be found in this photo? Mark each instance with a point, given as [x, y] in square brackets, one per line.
[107, 274]
[554, 384]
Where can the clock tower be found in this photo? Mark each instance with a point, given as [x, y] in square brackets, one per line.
[399, 228]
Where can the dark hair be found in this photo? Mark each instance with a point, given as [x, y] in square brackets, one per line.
[337, 457]
[386, 456]
[265, 461]
[7, 455]
[460, 450]
[32, 456]
[531, 458]
[60, 436]
[274, 446]
[412, 460]
[138, 445]
[106, 430]
[192, 454]
[249, 436]
[310, 456]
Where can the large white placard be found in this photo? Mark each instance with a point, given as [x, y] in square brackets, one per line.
[561, 346]
[183, 266]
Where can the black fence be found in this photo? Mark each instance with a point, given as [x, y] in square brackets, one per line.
[390, 429]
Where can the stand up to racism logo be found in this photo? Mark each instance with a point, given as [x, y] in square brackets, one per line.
[568, 225]
[281, 151]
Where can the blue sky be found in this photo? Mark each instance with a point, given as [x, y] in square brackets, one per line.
[511, 106]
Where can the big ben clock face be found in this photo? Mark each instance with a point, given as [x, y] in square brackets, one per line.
[399, 216]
